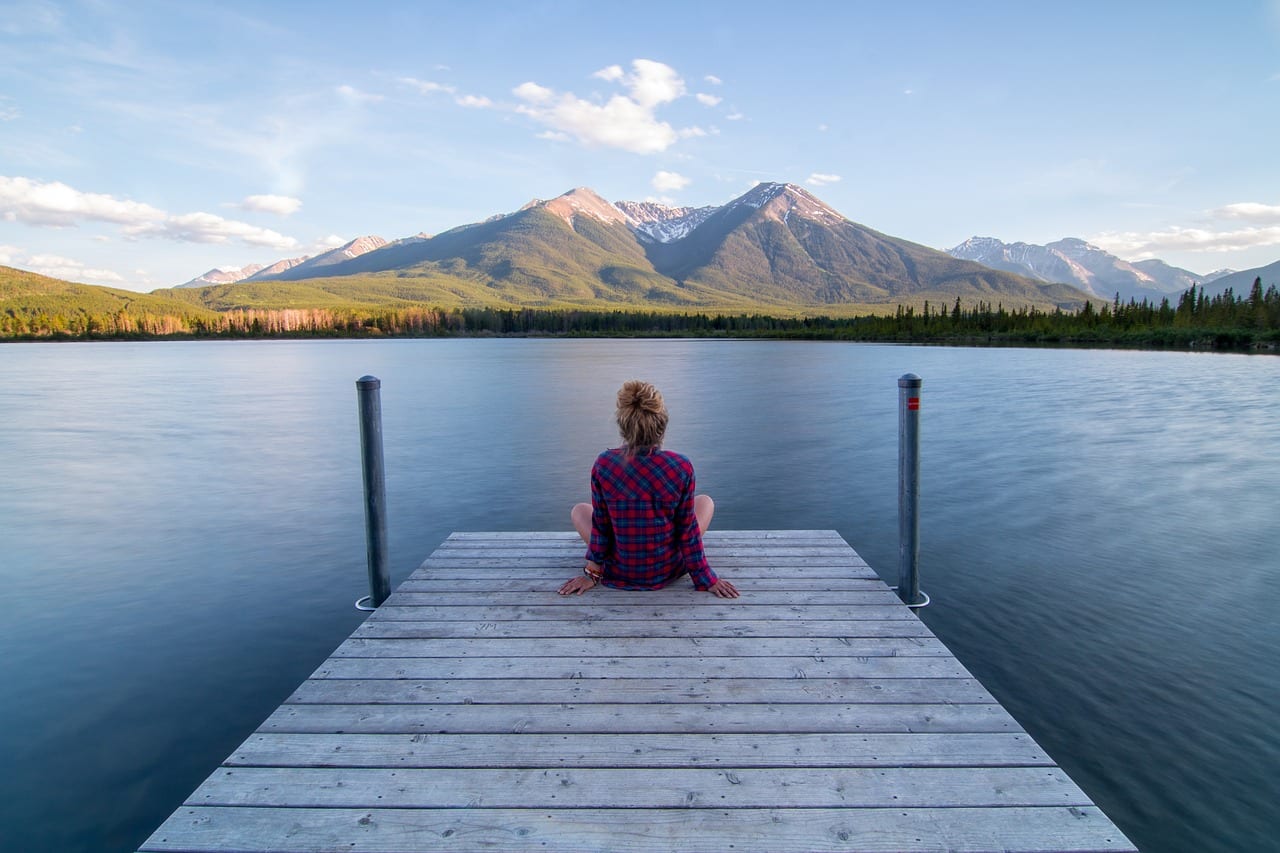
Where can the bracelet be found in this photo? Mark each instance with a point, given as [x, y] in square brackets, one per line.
[594, 577]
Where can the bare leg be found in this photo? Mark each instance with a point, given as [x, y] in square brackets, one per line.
[581, 515]
[704, 508]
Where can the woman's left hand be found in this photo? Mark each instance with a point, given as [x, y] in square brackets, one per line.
[577, 585]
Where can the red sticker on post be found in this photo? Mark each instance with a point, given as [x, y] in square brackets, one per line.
[913, 404]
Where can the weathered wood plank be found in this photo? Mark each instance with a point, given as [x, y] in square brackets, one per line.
[563, 567]
[744, 830]
[681, 629]
[593, 788]
[789, 668]
[658, 750]
[540, 586]
[736, 610]
[745, 550]
[618, 719]
[644, 647]
[684, 595]
[658, 692]
[711, 536]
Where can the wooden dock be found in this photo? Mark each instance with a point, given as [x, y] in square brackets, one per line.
[479, 710]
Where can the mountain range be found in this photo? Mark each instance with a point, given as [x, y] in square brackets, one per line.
[776, 246]
[1095, 271]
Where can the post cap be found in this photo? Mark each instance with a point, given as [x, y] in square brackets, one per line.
[909, 380]
[369, 382]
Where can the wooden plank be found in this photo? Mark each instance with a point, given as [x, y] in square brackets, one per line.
[643, 647]
[657, 750]
[711, 536]
[540, 586]
[682, 629]
[589, 610]
[657, 691]
[594, 788]
[549, 567]
[685, 596]
[619, 719]
[957, 830]
[746, 550]
[787, 668]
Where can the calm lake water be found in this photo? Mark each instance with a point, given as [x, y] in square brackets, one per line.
[181, 539]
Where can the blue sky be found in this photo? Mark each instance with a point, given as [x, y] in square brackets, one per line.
[143, 143]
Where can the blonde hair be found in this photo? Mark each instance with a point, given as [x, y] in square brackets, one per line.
[642, 415]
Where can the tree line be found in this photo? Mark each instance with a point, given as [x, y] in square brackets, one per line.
[1223, 321]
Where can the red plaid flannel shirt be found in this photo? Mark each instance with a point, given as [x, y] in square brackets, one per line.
[643, 530]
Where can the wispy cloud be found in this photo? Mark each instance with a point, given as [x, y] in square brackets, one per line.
[355, 96]
[1151, 244]
[8, 112]
[474, 101]
[281, 205]
[57, 205]
[713, 80]
[1251, 211]
[210, 228]
[819, 179]
[628, 122]
[1218, 232]
[56, 266]
[708, 100]
[665, 182]
[427, 87]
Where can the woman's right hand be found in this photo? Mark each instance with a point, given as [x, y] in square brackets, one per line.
[723, 589]
[577, 585]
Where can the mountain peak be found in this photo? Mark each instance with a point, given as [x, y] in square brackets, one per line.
[779, 201]
[580, 201]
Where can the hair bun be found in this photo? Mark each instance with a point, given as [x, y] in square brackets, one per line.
[640, 396]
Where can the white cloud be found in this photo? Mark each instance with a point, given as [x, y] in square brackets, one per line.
[665, 182]
[8, 112]
[555, 136]
[708, 100]
[333, 241]
[818, 179]
[474, 101]
[58, 205]
[56, 266]
[822, 128]
[1151, 244]
[281, 205]
[713, 80]
[1249, 210]
[8, 254]
[209, 228]
[533, 93]
[427, 87]
[735, 116]
[354, 95]
[624, 121]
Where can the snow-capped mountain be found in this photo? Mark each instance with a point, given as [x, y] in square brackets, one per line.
[1081, 264]
[659, 223]
[222, 275]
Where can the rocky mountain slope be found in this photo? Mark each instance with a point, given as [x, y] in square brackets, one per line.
[776, 245]
[1083, 265]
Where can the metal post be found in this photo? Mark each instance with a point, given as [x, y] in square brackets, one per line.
[375, 490]
[909, 490]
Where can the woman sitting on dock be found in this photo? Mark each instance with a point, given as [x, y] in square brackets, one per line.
[643, 527]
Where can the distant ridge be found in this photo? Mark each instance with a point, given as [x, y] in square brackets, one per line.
[777, 245]
[1080, 264]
